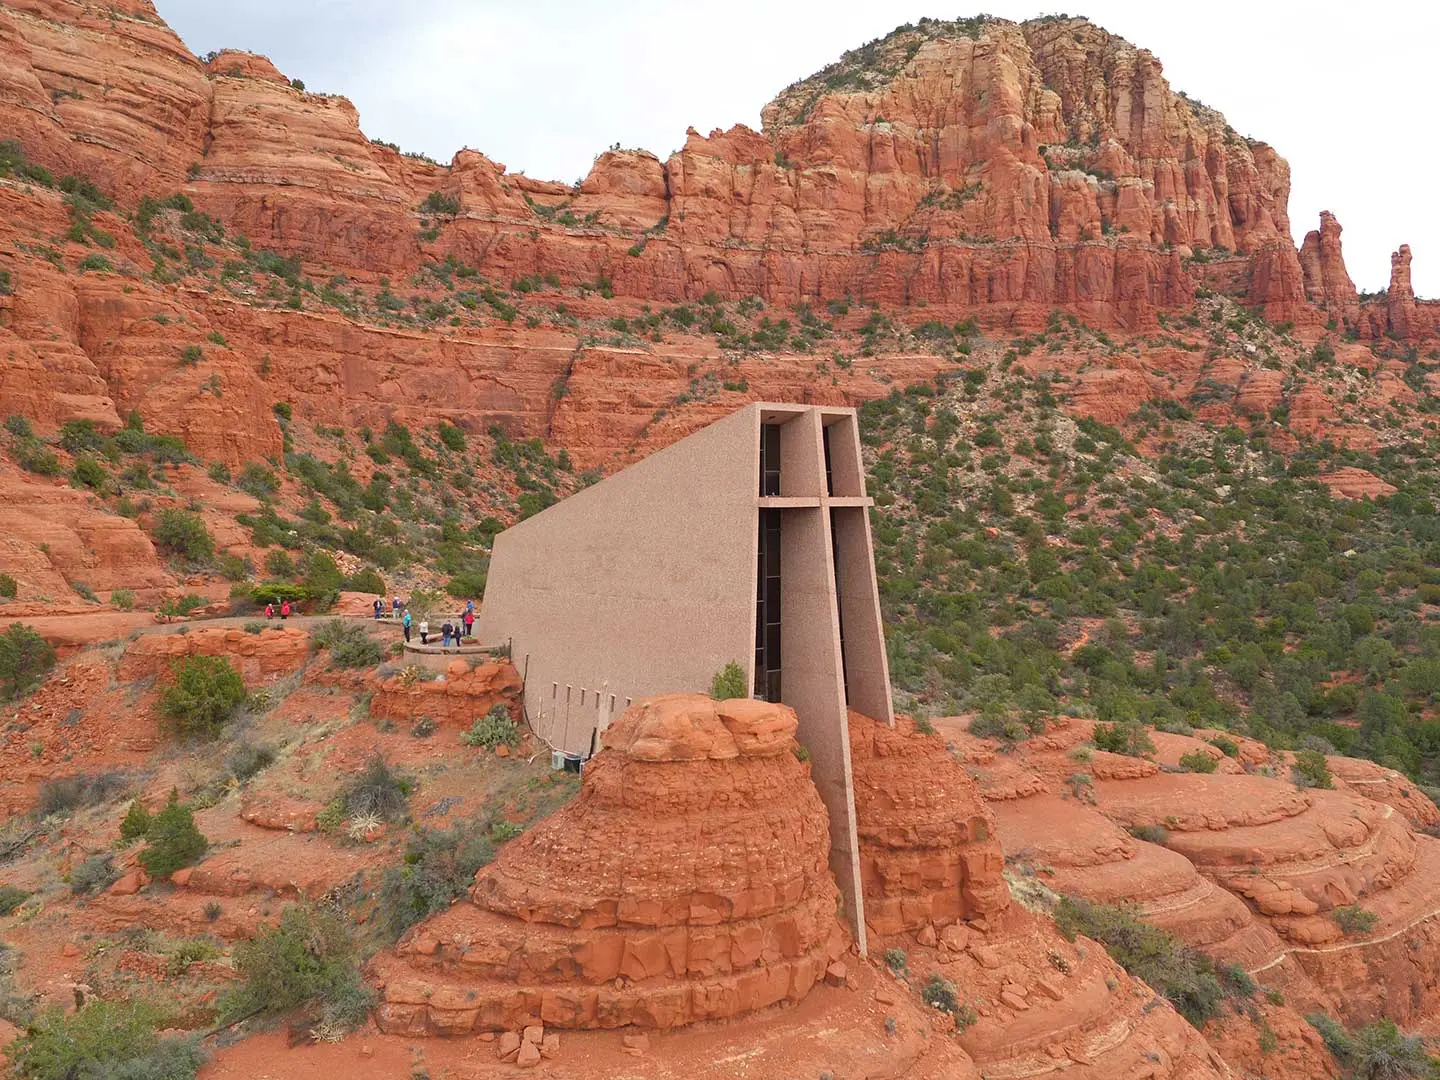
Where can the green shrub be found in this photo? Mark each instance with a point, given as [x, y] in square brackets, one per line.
[1187, 978]
[173, 841]
[492, 729]
[1353, 919]
[277, 592]
[1379, 1051]
[88, 473]
[80, 436]
[308, 960]
[896, 960]
[350, 644]
[440, 204]
[939, 993]
[248, 760]
[11, 897]
[9, 587]
[255, 479]
[278, 563]
[104, 1040]
[366, 581]
[33, 456]
[124, 599]
[1128, 738]
[181, 605]
[452, 436]
[194, 951]
[93, 874]
[439, 865]
[729, 682]
[66, 794]
[19, 426]
[204, 694]
[183, 533]
[25, 659]
[1311, 770]
[1198, 761]
[1151, 834]
[378, 792]
[1226, 745]
[467, 584]
[136, 822]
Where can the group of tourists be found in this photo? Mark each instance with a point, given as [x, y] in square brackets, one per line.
[284, 610]
[451, 633]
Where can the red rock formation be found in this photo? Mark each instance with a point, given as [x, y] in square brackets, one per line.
[871, 179]
[1350, 482]
[1327, 282]
[1400, 300]
[259, 658]
[688, 881]
[1248, 867]
[929, 854]
[455, 701]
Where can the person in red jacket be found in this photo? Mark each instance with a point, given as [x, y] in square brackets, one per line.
[285, 609]
[469, 621]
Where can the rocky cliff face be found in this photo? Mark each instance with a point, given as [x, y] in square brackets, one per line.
[977, 163]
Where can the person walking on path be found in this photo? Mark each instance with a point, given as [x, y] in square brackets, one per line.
[269, 611]
[446, 630]
[469, 620]
[379, 606]
[424, 632]
[285, 609]
[395, 607]
[405, 622]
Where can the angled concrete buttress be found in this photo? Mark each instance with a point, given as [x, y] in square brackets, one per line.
[748, 541]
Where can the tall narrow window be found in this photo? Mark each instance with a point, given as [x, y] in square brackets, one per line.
[767, 607]
[769, 459]
[829, 473]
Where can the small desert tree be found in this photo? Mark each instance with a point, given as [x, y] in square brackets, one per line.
[204, 695]
[25, 659]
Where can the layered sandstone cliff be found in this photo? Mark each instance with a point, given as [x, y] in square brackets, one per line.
[977, 163]
[1241, 862]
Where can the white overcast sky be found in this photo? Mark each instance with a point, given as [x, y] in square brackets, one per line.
[1348, 93]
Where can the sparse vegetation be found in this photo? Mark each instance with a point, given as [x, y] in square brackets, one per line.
[203, 696]
[729, 683]
[172, 840]
[104, 1040]
[350, 644]
[25, 659]
[183, 533]
[378, 792]
[1354, 919]
[1189, 979]
[307, 962]
[493, 729]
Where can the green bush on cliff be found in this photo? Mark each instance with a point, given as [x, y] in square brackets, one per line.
[104, 1040]
[308, 960]
[172, 840]
[25, 659]
[203, 695]
[1188, 979]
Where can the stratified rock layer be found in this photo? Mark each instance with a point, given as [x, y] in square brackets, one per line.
[929, 853]
[688, 881]
[1240, 862]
